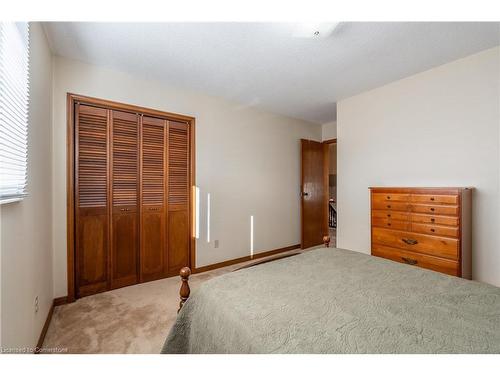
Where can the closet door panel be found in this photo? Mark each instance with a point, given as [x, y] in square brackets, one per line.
[125, 173]
[153, 148]
[178, 228]
[178, 240]
[152, 256]
[91, 199]
[124, 253]
[92, 254]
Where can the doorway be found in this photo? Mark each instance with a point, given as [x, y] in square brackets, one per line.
[331, 150]
[318, 192]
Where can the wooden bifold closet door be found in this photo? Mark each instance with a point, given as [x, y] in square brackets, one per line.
[153, 198]
[178, 196]
[91, 199]
[132, 195]
[124, 188]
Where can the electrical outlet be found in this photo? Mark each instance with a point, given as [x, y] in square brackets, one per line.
[36, 304]
[216, 244]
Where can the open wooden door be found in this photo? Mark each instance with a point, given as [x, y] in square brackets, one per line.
[313, 193]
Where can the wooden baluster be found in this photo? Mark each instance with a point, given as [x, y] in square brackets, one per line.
[326, 241]
[185, 290]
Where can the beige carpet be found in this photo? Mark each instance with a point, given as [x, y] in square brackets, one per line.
[135, 319]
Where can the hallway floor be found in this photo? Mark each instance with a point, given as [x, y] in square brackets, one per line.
[333, 236]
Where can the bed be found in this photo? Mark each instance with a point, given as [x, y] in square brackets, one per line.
[330, 300]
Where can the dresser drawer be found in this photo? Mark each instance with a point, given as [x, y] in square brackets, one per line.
[434, 219]
[435, 230]
[390, 197]
[435, 209]
[432, 245]
[391, 224]
[430, 198]
[447, 266]
[393, 215]
[397, 206]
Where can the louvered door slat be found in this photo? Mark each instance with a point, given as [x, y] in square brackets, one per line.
[178, 163]
[125, 158]
[92, 157]
[153, 161]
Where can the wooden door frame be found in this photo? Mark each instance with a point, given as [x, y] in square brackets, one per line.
[326, 175]
[326, 165]
[71, 100]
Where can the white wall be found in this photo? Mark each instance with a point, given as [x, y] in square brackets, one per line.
[436, 128]
[26, 233]
[329, 130]
[248, 160]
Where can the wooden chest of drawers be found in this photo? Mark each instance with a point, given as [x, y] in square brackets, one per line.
[425, 227]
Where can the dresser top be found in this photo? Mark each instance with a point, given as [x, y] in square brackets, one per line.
[421, 187]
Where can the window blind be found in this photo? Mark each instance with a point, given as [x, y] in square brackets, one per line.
[14, 95]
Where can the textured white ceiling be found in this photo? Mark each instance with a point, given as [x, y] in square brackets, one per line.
[265, 65]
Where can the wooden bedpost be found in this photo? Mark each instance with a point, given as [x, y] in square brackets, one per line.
[184, 292]
[326, 241]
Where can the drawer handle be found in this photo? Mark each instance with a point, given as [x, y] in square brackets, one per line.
[388, 224]
[432, 219]
[432, 209]
[388, 215]
[432, 198]
[388, 206]
[409, 261]
[433, 230]
[154, 209]
[409, 241]
[388, 197]
[125, 209]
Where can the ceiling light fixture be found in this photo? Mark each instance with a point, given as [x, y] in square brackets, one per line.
[315, 29]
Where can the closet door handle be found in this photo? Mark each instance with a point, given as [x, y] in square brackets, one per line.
[409, 241]
[409, 261]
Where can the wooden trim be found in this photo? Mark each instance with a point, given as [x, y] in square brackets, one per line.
[326, 187]
[419, 190]
[56, 302]
[60, 301]
[302, 145]
[129, 108]
[166, 191]
[109, 198]
[70, 168]
[45, 328]
[139, 200]
[267, 260]
[326, 176]
[245, 258]
[330, 141]
[71, 100]
[191, 204]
